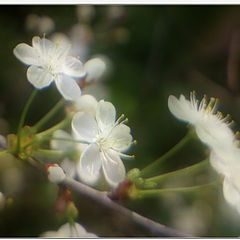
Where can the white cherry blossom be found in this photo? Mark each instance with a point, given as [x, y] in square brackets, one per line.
[67, 230]
[50, 62]
[87, 104]
[107, 140]
[210, 127]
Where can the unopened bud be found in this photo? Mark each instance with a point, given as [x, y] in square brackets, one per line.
[55, 173]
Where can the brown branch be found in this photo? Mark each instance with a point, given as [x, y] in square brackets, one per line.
[154, 228]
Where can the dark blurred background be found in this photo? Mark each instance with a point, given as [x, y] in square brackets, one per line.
[153, 51]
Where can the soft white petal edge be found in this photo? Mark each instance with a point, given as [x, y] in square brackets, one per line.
[94, 68]
[38, 77]
[26, 54]
[68, 87]
[113, 168]
[176, 107]
[105, 114]
[73, 67]
[84, 127]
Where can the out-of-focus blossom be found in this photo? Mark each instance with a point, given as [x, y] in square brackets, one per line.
[67, 230]
[115, 12]
[95, 67]
[50, 62]
[39, 24]
[107, 138]
[67, 165]
[85, 13]
[81, 37]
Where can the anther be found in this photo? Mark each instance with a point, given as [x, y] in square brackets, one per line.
[125, 120]
[135, 142]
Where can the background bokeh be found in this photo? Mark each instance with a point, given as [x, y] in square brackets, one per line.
[152, 52]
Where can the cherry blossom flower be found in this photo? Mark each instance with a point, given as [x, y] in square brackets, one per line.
[95, 68]
[107, 140]
[85, 103]
[50, 62]
[211, 127]
[67, 230]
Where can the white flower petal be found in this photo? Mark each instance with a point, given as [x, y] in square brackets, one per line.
[181, 109]
[44, 46]
[89, 166]
[217, 163]
[105, 115]
[113, 168]
[38, 77]
[67, 230]
[73, 67]
[26, 54]
[69, 167]
[214, 133]
[231, 193]
[86, 103]
[68, 87]
[55, 174]
[94, 68]
[59, 144]
[84, 126]
[121, 138]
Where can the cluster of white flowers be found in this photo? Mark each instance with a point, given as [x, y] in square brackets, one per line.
[104, 141]
[50, 62]
[213, 130]
[94, 123]
[67, 230]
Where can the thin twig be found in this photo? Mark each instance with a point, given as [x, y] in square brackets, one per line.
[154, 228]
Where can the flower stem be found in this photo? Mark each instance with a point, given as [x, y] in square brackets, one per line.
[22, 119]
[45, 135]
[180, 172]
[49, 131]
[136, 194]
[70, 140]
[48, 116]
[51, 153]
[154, 165]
